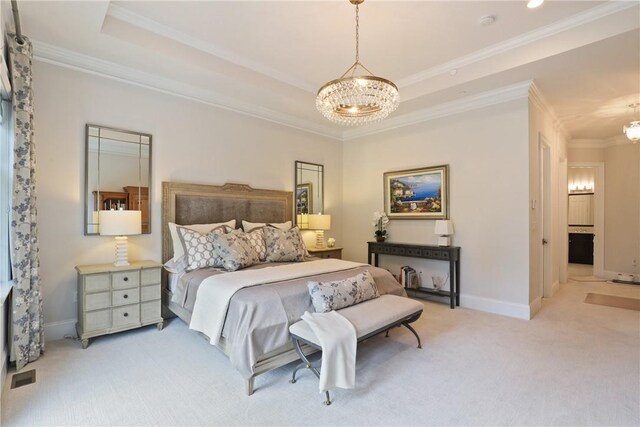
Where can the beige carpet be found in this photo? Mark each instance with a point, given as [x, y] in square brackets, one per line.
[613, 301]
[574, 364]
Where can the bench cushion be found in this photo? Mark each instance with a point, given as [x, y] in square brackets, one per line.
[367, 317]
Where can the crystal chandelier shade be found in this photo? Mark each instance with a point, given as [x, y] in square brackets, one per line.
[357, 99]
[633, 129]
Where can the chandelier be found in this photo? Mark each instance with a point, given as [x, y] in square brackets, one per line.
[357, 99]
[633, 130]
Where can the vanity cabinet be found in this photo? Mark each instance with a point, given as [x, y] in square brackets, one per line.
[113, 299]
[581, 248]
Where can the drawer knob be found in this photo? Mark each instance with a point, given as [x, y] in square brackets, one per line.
[126, 279]
[125, 296]
[126, 315]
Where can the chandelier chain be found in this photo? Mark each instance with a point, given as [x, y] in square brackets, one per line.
[357, 33]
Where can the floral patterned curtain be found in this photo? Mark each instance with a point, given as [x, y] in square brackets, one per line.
[27, 321]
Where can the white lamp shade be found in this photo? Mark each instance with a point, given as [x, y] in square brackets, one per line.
[320, 222]
[120, 223]
[444, 227]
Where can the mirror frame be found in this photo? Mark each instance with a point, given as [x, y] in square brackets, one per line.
[86, 174]
[298, 166]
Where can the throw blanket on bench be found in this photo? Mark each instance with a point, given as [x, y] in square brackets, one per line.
[215, 292]
[338, 339]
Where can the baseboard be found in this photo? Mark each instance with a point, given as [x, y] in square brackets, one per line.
[534, 307]
[610, 275]
[58, 330]
[511, 309]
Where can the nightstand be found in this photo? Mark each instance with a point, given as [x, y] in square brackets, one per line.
[335, 253]
[113, 299]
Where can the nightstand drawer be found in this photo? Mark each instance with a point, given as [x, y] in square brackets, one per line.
[150, 276]
[125, 279]
[150, 311]
[97, 301]
[150, 293]
[128, 315]
[96, 282]
[97, 320]
[127, 296]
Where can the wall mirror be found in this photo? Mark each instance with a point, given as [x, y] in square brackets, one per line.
[117, 174]
[309, 191]
[581, 209]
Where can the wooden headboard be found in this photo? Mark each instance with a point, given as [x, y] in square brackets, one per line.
[184, 203]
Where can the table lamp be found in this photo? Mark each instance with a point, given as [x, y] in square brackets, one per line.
[444, 228]
[319, 223]
[121, 224]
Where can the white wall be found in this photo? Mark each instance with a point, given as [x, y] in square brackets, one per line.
[487, 151]
[543, 125]
[192, 142]
[622, 208]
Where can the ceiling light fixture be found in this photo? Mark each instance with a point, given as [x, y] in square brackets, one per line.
[532, 4]
[357, 99]
[633, 130]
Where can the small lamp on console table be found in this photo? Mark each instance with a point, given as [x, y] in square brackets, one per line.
[120, 224]
[320, 223]
[444, 228]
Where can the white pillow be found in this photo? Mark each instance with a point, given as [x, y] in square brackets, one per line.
[248, 226]
[178, 249]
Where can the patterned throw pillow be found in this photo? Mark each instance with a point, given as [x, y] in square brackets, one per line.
[235, 249]
[256, 237]
[327, 296]
[284, 245]
[198, 248]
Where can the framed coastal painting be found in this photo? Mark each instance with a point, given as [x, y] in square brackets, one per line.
[304, 200]
[417, 193]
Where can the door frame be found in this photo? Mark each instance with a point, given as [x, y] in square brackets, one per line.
[598, 214]
[545, 217]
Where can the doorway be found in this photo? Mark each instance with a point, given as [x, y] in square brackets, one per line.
[585, 219]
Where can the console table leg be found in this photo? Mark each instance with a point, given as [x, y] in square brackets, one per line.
[458, 282]
[452, 285]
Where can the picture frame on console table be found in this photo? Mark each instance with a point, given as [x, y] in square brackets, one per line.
[421, 193]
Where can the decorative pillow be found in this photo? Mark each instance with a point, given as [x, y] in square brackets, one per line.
[250, 226]
[327, 296]
[178, 250]
[284, 245]
[235, 249]
[256, 237]
[198, 248]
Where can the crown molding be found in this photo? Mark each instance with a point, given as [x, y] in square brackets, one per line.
[66, 58]
[533, 36]
[538, 99]
[132, 18]
[463, 105]
[600, 143]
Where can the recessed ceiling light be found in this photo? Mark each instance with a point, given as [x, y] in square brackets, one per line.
[487, 20]
[532, 4]
[453, 72]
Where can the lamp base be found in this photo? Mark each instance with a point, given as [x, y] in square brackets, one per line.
[444, 241]
[319, 239]
[122, 252]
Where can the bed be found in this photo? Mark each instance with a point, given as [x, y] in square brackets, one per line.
[254, 327]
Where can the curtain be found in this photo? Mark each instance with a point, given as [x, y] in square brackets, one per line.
[27, 331]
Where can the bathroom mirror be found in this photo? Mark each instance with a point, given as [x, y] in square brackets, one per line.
[309, 191]
[580, 210]
[117, 174]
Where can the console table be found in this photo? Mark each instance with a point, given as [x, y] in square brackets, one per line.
[442, 253]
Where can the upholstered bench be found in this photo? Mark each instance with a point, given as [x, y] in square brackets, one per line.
[369, 318]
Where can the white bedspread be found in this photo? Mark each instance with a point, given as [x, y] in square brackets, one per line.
[215, 292]
[339, 340]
